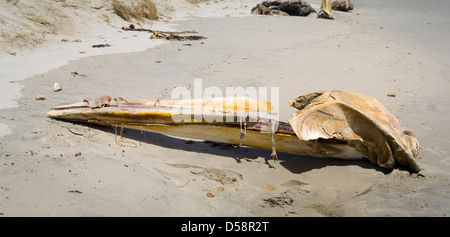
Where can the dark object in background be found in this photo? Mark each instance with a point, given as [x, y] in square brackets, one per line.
[283, 7]
[101, 45]
[342, 5]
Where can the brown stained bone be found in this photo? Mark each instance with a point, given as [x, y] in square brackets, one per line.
[360, 121]
[328, 124]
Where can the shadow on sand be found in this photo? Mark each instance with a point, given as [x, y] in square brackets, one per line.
[294, 163]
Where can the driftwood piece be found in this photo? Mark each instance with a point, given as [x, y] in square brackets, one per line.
[159, 35]
[101, 45]
[342, 5]
[169, 35]
[283, 7]
[260, 9]
[325, 10]
[132, 27]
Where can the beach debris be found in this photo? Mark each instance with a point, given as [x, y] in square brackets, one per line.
[77, 74]
[12, 54]
[261, 9]
[78, 154]
[132, 27]
[210, 195]
[283, 7]
[101, 45]
[342, 5]
[40, 97]
[391, 94]
[325, 10]
[157, 61]
[160, 35]
[328, 124]
[168, 35]
[99, 102]
[77, 41]
[270, 187]
[57, 87]
[220, 189]
[278, 201]
[75, 191]
[82, 52]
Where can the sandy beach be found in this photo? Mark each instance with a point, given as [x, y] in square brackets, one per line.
[55, 168]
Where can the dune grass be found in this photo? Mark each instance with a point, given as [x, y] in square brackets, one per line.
[194, 2]
[144, 9]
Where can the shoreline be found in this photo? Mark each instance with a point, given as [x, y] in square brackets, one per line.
[167, 176]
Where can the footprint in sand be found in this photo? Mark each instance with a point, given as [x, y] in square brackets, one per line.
[225, 177]
[293, 188]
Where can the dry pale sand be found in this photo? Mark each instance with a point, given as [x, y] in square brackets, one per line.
[371, 50]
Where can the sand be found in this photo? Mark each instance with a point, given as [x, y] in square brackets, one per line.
[55, 168]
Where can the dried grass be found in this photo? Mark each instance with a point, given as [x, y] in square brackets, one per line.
[194, 2]
[122, 10]
[144, 9]
[106, 18]
[22, 40]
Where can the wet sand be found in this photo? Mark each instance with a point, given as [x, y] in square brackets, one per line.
[54, 168]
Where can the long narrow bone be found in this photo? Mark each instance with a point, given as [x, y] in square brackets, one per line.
[334, 124]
